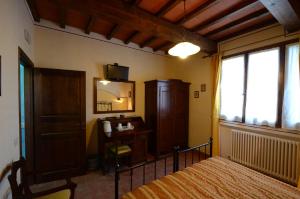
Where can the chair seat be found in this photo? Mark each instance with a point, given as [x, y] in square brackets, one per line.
[122, 149]
[64, 194]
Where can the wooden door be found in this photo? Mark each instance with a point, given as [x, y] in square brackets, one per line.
[165, 124]
[59, 121]
[180, 114]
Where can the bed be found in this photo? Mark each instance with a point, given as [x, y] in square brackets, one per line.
[215, 178]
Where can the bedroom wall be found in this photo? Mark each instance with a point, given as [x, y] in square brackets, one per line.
[196, 70]
[14, 19]
[57, 49]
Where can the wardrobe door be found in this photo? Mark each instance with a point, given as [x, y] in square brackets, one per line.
[59, 121]
[180, 114]
[165, 124]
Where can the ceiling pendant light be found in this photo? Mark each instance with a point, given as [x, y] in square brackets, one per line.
[184, 49]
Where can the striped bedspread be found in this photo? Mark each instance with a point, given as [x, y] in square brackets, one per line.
[215, 178]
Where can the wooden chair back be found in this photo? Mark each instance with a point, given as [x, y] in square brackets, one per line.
[21, 190]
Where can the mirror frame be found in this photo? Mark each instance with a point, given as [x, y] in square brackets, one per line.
[96, 79]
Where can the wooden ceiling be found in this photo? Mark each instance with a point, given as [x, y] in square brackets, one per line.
[159, 24]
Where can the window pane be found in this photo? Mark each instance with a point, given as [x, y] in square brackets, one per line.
[291, 100]
[262, 87]
[232, 88]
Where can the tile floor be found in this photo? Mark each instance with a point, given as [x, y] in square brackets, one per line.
[96, 185]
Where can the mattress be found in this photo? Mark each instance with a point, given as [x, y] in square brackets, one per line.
[215, 178]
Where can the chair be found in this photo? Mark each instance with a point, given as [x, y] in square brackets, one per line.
[22, 190]
[120, 150]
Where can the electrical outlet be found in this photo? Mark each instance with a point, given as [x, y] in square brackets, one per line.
[27, 36]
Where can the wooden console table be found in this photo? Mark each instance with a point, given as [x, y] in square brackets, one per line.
[137, 138]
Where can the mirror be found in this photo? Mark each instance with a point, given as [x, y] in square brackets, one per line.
[113, 96]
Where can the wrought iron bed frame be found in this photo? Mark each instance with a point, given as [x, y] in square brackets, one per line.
[175, 156]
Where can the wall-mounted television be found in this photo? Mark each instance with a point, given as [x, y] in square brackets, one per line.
[116, 72]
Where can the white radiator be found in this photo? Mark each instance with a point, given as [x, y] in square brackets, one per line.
[273, 156]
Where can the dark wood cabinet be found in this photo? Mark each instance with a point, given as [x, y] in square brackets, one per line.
[167, 114]
[59, 123]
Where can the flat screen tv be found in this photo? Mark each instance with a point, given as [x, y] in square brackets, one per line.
[116, 72]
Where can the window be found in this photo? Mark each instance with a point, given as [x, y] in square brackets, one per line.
[291, 100]
[232, 89]
[263, 87]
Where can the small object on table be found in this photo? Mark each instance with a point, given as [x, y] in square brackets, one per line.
[107, 128]
[120, 127]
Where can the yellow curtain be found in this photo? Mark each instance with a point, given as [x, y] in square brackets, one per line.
[216, 77]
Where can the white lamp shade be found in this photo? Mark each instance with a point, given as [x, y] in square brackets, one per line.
[184, 49]
[104, 82]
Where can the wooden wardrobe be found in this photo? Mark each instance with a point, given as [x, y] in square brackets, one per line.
[167, 114]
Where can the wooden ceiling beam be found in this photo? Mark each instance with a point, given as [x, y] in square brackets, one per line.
[32, 6]
[113, 31]
[233, 14]
[222, 14]
[197, 11]
[131, 36]
[62, 12]
[90, 24]
[287, 12]
[163, 45]
[148, 41]
[135, 2]
[133, 17]
[62, 16]
[239, 21]
[218, 34]
[167, 7]
[244, 31]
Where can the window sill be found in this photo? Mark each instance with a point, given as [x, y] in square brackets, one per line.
[257, 127]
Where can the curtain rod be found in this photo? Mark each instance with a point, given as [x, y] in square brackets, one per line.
[256, 42]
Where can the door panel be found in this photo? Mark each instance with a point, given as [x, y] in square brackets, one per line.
[59, 123]
[165, 119]
[60, 151]
[181, 115]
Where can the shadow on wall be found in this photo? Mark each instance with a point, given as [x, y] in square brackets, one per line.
[92, 139]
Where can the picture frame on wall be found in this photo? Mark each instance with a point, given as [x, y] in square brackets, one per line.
[196, 94]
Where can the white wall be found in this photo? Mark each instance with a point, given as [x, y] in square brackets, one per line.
[56, 49]
[196, 70]
[14, 18]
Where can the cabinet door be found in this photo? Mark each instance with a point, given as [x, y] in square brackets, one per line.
[59, 121]
[139, 149]
[180, 113]
[165, 126]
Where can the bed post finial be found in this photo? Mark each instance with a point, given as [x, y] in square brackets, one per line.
[117, 178]
[175, 158]
[210, 141]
